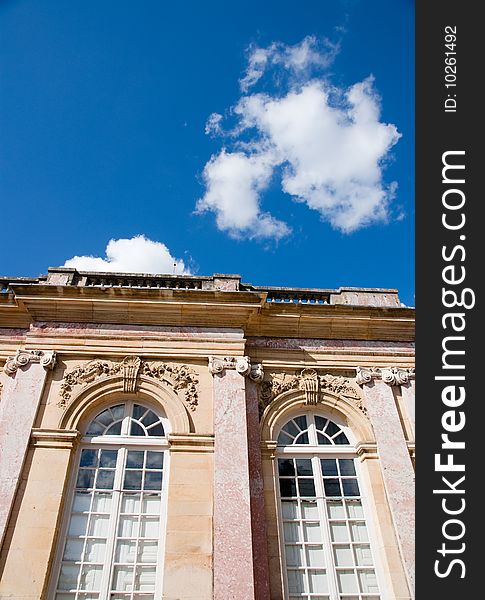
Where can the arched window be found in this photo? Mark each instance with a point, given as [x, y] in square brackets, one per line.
[324, 533]
[112, 542]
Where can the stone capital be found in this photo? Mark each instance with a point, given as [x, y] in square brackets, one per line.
[241, 364]
[26, 357]
[389, 375]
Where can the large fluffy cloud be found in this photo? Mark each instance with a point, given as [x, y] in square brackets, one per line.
[330, 144]
[134, 255]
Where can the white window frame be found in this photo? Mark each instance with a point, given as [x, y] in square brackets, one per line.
[123, 443]
[315, 452]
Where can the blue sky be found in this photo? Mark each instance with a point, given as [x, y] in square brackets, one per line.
[106, 134]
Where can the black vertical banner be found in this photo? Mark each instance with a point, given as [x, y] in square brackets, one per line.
[450, 252]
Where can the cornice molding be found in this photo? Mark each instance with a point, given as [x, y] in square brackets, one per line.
[177, 377]
[390, 375]
[54, 438]
[242, 364]
[24, 358]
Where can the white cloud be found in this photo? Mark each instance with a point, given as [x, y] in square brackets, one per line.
[329, 143]
[134, 255]
[297, 59]
[233, 184]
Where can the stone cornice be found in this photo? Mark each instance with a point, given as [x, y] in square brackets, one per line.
[391, 375]
[242, 364]
[54, 438]
[191, 443]
[24, 358]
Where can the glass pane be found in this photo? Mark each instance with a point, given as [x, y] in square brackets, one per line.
[118, 411]
[284, 439]
[285, 466]
[302, 438]
[304, 466]
[154, 460]
[332, 487]
[114, 429]
[102, 502]
[77, 525]
[350, 487]
[335, 510]
[138, 411]
[106, 418]
[68, 577]
[156, 430]
[153, 480]
[309, 510]
[147, 552]
[287, 488]
[296, 582]
[341, 439]
[136, 429]
[128, 527]
[359, 532]
[82, 501]
[134, 460]
[125, 551]
[315, 556]
[320, 423]
[151, 505]
[355, 509]
[98, 525]
[73, 549]
[149, 527]
[95, 429]
[294, 556]
[339, 532]
[343, 556]
[95, 551]
[323, 439]
[312, 532]
[105, 479]
[301, 422]
[347, 581]
[347, 466]
[292, 532]
[85, 478]
[289, 510]
[132, 480]
[368, 582]
[332, 428]
[89, 458]
[307, 487]
[145, 579]
[91, 577]
[123, 579]
[130, 503]
[363, 555]
[108, 458]
[291, 428]
[150, 418]
[318, 581]
[329, 466]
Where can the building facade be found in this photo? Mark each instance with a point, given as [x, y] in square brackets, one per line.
[198, 438]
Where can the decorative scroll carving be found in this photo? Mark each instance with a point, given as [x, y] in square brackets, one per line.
[242, 364]
[25, 357]
[390, 375]
[178, 377]
[313, 384]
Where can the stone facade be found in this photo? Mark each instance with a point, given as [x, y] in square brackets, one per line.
[227, 363]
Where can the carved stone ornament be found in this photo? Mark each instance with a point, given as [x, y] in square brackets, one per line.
[313, 384]
[177, 377]
[25, 357]
[242, 364]
[391, 375]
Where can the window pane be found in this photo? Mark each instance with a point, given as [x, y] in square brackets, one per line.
[320, 422]
[332, 428]
[301, 422]
[304, 466]
[125, 551]
[147, 552]
[296, 581]
[350, 487]
[285, 466]
[347, 466]
[95, 551]
[108, 458]
[289, 510]
[105, 479]
[312, 532]
[329, 466]
[73, 549]
[105, 418]
[307, 487]
[89, 458]
[343, 556]
[341, 438]
[291, 428]
[151, 505]
[347, 581]
[154, 460]
[118, 411]
[309, 510]
[114, 429]
[98, 525]
[134, 460]
[82, 501]
[95, 429]
[339, 532]
[315, 556]
[68, 577]
[288, 487]
[138, 411]
[136, 429]
[149, 527]
[336, 510]
[102, 502]
[363, 555]
[123, 579]
[359, 532]
[294, 556]
[323, 439]
[368, 582]
[292, 532]
[318, 581]
[130, 503]
[150, 418]
[132, 480]
[153, 480]
[145, 579]
[354, 509]
[332, 487]
[156, 430]
[302, 438]
[78, 525]
[128, 527]
[85, 478]
[91, 578]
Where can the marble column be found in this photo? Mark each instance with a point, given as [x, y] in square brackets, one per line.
[23, 383]
[408, 394]
[233, 538]
[397, 469]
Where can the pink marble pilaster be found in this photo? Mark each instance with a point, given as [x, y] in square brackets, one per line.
[397, 469]
[258, 516]
[408, 395]
[233, 549]
[21, 395]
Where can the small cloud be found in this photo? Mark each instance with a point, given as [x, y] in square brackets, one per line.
[134, 255]
[213, 124]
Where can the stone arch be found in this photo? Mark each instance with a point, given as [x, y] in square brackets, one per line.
[99, 394]
[338, 408]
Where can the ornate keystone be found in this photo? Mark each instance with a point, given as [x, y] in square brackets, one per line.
[25, 357]
[391, 375]
[242, 364]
